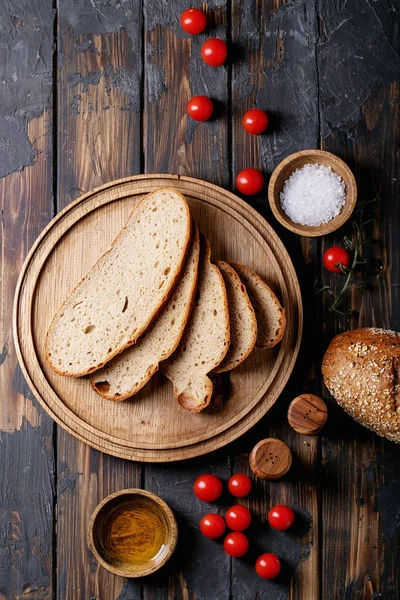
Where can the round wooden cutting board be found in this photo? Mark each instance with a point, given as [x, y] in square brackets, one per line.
[151, 426]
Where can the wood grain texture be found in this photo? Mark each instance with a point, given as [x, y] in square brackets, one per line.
[363, 132]
[276, 71]
[26, 163]
[327, 73]
[99, 106]
[136, 429]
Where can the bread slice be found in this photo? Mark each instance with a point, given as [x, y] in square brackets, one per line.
[243, 323]
[128, 372]
[270, 315]
[205, 341]
[121, 294]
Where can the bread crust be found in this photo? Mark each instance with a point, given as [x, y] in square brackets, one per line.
[187, 397]
[227, 364]
[281, 330]
[153, 368]
[186, 235]
[361, 370]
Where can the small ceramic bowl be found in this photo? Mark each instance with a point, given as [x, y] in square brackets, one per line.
[296, 161]
[132, 533]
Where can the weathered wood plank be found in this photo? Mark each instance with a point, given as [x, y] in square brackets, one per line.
[174, 72]
[99, 106]
[360, 122]
[26, 433]
[277, 72]
[361, 474]
[173, 143]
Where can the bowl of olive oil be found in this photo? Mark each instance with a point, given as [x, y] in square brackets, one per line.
[132, 533]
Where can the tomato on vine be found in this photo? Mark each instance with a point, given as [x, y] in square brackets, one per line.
[334, 256]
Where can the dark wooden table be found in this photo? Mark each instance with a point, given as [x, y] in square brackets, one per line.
[93, 90]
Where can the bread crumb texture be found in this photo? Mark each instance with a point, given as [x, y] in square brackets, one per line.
[270, 315]
[128, 372]
[205, 341]
[361, 370]
[117, 299]
[243, 324]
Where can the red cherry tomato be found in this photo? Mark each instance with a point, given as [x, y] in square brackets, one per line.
[238, 518]
[200, 108]
[281, 517]
[250, 182]
[255, 121]
[268, 566]
[212, 526]
[207, 487]
[193, 20]
[239, 485]
[336, 255]
[236, 544]
[214, 52]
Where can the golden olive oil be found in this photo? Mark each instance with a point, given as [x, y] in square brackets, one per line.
[136, 532]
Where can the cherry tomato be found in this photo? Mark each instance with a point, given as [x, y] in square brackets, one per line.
[239, 485]
[207, 487]
[200, 108]
[281, 517]
[250, 182]
[236, 544]
[268, 566]
[238, 518]
[255, 121]
[212, 526]
[214, 52]
[335, 255]
[193, 20]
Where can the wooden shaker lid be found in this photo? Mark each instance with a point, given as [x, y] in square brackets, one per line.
[270, 459]
[307, 414]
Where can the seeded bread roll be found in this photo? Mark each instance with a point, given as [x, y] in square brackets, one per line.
[270, 315]
[361, 370]
[242, 319]
[128, 372]
[122, 293]
[205, 341]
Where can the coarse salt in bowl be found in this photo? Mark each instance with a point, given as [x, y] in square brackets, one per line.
[313, 195]
[312, 192]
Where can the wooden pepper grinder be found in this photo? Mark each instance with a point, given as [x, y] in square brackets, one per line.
[270, 459]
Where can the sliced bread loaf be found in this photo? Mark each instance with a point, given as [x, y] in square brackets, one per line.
[243, 324]
[128, 372]
[205, 341]
[121, 294]
[270, 315]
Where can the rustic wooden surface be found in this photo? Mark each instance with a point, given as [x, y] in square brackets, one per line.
[136, 429]
[97, 90]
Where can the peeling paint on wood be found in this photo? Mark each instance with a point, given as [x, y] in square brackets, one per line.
[26, 53]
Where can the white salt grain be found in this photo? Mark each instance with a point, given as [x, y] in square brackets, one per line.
[313, 195]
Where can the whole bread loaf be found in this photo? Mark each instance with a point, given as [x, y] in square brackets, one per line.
[361, 370]
[128, 372]
[205, 341]
[122, 293]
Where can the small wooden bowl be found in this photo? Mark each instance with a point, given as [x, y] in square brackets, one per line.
[296, 161]
[110, 533]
